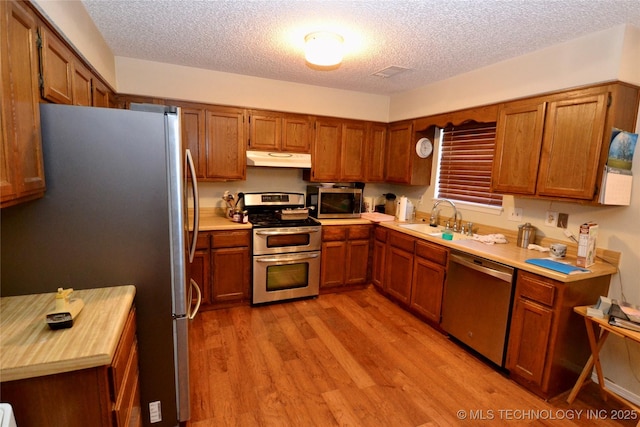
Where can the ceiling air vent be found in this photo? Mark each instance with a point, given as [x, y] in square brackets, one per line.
[391, 71]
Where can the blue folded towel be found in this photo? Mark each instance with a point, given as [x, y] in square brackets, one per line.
[556, 266]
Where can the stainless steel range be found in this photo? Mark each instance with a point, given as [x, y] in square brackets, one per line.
[286, 247]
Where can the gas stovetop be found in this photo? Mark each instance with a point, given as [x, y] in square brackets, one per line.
[271, 220]
[264, 209]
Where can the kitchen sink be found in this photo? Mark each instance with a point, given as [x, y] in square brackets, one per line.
[433, 231]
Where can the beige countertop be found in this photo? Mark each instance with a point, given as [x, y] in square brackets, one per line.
[511, 254]
[29, 348]
[212, 219]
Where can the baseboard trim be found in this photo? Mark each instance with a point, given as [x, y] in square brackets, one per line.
[622, 392]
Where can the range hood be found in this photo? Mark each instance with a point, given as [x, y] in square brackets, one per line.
[278, 159]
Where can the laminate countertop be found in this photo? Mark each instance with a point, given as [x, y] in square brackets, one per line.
[509, 253]
[213, 219]
[29, 348]
[513, 255]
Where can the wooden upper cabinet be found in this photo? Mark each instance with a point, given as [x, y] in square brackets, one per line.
[573, 135]
[57, 69]
[403, 166]
[327, 150]
[556, 146]
[353, 148]
[225, 144]
[273, 131]
[194, 138]
[101, 94]
[375, 152]
[398, 152]
[21, 165]
[65, 78]
[518, 144]
[297, 131]
[216, 138]
[265, 131]
[82, 85]
[339, 150]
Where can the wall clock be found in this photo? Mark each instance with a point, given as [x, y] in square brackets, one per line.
[424, 147]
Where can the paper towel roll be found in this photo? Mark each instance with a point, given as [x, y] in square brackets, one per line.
[369, 203]
[401, 214]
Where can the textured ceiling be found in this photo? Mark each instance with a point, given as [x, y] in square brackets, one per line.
[434, 39]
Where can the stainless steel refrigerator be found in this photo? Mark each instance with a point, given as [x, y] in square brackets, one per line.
[119, 186]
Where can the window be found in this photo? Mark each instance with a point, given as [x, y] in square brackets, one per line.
[464, 169]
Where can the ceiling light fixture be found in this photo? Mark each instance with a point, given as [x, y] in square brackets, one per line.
[323, 48]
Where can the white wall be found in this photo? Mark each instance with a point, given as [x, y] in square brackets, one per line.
[589, 59]
[214, 87]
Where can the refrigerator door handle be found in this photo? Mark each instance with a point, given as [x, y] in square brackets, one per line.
[196, 203]
[191, 313]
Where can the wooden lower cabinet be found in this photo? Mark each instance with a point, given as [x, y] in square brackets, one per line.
[548, 344]
[201, 267]
[414, 273]
[105, 396]
[379, 256]
[531, 330]
[222, 267]
[345, 256]
[429, 272]
[399, 266]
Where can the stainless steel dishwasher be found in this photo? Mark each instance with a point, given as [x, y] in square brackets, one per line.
[476, 309]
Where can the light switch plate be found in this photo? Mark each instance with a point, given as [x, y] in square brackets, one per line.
[551, 219]
[515, 215]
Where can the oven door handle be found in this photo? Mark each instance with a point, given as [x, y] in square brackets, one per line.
[288, 258]
[286, 232]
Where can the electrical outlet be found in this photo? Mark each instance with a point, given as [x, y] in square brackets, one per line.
[563, 220]
[155, 412]
[551, 219]
[515, 215]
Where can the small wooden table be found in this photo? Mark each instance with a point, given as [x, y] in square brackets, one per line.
[596, 343]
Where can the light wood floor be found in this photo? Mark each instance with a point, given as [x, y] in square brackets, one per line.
[356, 359]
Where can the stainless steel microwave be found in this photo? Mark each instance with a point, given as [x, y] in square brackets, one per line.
[334, 202]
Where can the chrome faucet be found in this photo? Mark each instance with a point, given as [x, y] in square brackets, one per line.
[433, 218]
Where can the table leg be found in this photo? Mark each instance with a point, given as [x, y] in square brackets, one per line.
[595, 345]
[586, 373]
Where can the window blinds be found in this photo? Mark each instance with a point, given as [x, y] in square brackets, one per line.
[466, 157]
